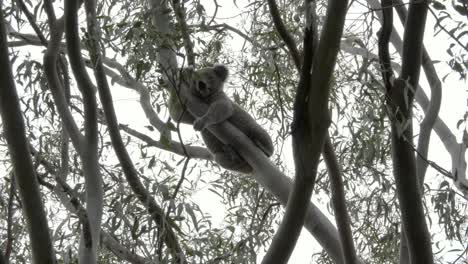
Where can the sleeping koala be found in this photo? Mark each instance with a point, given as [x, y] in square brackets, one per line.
[207, 84]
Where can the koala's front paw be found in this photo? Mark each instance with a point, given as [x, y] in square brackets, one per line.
[199, 124]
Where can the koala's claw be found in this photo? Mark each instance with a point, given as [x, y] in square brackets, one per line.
[199, 124]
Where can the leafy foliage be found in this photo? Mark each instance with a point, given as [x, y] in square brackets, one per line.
[237, 220]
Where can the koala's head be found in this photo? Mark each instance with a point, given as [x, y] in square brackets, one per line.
[209, 80]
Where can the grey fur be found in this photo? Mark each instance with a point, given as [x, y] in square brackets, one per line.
[207, 84]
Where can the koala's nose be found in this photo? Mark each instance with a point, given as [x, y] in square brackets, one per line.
[201, 85]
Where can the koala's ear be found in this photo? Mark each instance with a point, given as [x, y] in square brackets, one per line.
[187, 70]
[221, 71]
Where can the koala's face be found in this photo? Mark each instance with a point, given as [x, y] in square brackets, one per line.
[209, 81]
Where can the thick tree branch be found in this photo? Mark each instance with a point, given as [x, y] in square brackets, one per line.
[409, 193]
[339, 202]
[50, 70]
[166, 56]
[14, 131]
[349, 253]
[315, 98]
[343, 223]
[387, 76]
[431, 111]
[400, 96]
[308, 139]
[90, 159]
[338, 199]
[425, 129]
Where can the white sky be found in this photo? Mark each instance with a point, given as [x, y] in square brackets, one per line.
[454, 105]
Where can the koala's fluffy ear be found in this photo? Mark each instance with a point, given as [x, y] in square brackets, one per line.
[221, 71]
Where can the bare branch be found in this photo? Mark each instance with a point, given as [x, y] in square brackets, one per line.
[50, 69]
[339, 203]
[173, 146]
[90, 159]
[123, 252]
[283, 32]
[219, 27]
[307, 145]
[126, 80]
[179, 11]
[387, 76]
[32, 22]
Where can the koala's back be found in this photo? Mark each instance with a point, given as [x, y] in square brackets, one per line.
[242, 120]
[247, 124]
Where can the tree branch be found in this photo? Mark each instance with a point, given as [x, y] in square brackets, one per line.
[349, 253]
[455, 149]
[130, 172]
[14, 131]
[179, 12]
[50, 70]
[307, 139]
[399, 100]
[90, 159]
[78, 209]
[284, 33]
[32, 22]
[127, 81]
[173, 146]
[224, 26]
[339, 203]
[431, 111]
[9, 236]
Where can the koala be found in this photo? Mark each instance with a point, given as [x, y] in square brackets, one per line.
[207, 84]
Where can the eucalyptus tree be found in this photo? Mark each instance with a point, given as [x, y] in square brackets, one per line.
[120, 181]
